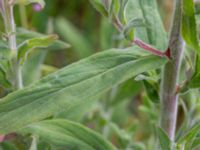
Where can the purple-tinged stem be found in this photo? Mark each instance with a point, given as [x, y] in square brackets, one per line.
[169, 95]
[150, 49]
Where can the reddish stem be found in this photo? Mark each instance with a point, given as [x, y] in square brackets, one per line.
[151, 49]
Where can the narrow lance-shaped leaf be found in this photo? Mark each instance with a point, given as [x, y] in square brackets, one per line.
[68, 134]
[23, 35]
[153, 32]
[195, 81]
[189, 31]
[164, 139]
[73, 85]
[131, 25]
[41, 42]
[98, 5]
[3, 79]
[190, 135]
[114, 8]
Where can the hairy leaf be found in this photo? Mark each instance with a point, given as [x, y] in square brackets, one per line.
[23, 35]
[164, 140]
[70, 135]
[28, 45]
[190, 135]
[195, 81]
[98, 5]
[189, 31]
[153, 33]
[73, 85]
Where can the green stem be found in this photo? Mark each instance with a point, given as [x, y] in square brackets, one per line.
[10, 28]
[169, 96]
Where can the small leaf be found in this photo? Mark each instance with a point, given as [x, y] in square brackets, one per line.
[154, 32]
[97, 4]
[70, 135]
[190, 135]
[164, 139]
[189, 31]
[195, 81]
[31, 69]
[196, 143]
[114, 8]
[23, 35]
[132, 24]
[28, 45]
[152, 91]
[3, 80]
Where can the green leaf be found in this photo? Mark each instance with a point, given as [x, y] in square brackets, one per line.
[5, 53]
[196, 143]
[73, 85]
[23, 35]
[126, 90]
[3, 79]
[131, 25]
[31, 69]
[25, 48]
[195, 81]
[27, 2]
[98, 5]
[4, 82]
[70, 135]
[71, 34]
[152, 91]
[164, 139]
[189, 31]
[190, 135]
[114, 8]
[154, 32]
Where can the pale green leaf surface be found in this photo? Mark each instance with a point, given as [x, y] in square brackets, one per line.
[73, 85]
[164, 139]
[189, 31]
[69, 134]
[98, 5]
[153, 33]
[31, 69]
[23, 35]
[195, 81]
[42, 42]
[190, 135]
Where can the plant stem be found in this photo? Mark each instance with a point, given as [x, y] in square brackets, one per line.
[9, 21]
[169, 96]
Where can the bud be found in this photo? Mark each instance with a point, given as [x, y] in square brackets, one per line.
[37, 7]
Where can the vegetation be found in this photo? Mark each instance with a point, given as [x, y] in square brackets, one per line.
[99, 75]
